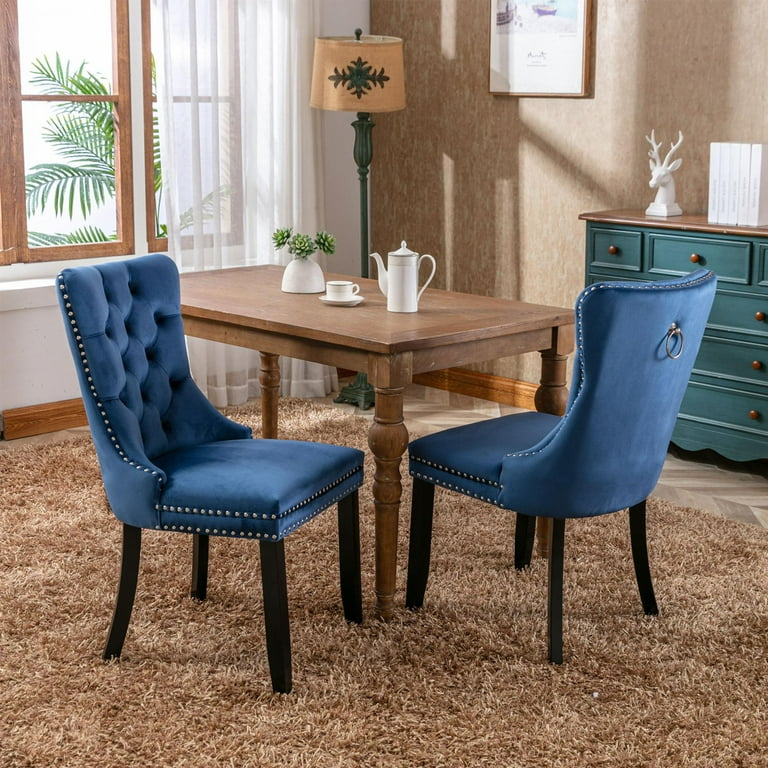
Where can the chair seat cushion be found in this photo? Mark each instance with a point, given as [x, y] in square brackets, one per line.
[469, 458]
[261, 489]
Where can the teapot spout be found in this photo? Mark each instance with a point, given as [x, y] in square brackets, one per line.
[381, 273]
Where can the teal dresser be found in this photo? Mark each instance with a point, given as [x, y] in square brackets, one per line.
[726, 405]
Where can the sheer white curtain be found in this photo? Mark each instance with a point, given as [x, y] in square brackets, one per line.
[239, 150]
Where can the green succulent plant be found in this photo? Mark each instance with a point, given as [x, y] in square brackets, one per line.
[302, 246]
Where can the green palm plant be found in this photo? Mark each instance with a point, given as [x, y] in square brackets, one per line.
[161, 230]
[83, 134]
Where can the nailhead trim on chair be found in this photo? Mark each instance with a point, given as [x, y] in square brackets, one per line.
[458, 488]
[455, 472]
[228, 513]
[223, 531]
[87, 371]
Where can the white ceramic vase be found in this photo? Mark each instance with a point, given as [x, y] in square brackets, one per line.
[303, 276]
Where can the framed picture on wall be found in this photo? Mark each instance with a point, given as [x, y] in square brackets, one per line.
[540, 47]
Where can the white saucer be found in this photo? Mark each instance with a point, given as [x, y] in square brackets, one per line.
[353, 302]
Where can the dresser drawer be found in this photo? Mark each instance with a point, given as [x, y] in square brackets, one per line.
[616, 249]
[736, 360]
[679, 255]
[725, 407]
[762, 265]
[740, 313]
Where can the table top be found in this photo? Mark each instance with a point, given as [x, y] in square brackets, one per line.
[250, 298]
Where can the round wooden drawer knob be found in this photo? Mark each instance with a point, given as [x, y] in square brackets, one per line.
[754, 415]
[757, 365]
[613, 250]
[695, 258]
[759, 316]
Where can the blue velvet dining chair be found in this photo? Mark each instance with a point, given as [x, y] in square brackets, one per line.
[635, 348]
[171, 462]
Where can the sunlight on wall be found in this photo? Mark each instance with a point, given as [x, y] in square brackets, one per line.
[448, 219]
[448, 28]
[504, 217]
[742, 61]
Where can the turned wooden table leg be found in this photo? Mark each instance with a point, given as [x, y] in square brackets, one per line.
[552, 394]
[388, 439]
[551, 397]
[269, 379]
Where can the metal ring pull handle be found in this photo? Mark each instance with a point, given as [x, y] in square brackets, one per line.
[674, 330]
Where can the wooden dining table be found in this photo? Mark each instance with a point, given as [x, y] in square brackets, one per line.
[246, 307]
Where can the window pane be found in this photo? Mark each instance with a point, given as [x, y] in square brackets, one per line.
[80, 31]
[69, 163]
[160, 224]
[69, 151]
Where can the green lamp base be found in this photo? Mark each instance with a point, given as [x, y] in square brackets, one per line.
[359, 393]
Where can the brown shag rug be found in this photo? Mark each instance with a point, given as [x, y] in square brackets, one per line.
[464, 682]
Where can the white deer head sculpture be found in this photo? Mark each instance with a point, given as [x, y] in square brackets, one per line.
[661, 178]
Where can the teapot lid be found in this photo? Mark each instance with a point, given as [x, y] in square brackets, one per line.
[403, 250]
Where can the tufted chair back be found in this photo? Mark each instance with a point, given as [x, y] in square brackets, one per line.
[171, 462]
[128, 338]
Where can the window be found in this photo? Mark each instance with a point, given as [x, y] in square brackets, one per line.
[66, 157]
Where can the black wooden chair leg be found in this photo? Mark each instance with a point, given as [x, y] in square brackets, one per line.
[126, 592]
[420, 544]
[525, 533]
[638, 539]
[199, 588]
[349, 558]
[276, 622]
[555, 592]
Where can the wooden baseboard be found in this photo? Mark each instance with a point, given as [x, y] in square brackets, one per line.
[486, 386]
[66, 414]
[46, 417]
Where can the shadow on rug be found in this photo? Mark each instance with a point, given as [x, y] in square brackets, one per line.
[464, 682]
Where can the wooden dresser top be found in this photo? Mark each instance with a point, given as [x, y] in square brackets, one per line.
[696, 222]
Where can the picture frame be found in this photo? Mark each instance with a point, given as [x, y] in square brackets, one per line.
[540, 47]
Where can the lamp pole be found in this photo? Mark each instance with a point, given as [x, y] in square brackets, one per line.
[363, 154]
[360, 392]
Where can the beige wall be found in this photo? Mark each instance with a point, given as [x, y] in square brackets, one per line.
[492, 186]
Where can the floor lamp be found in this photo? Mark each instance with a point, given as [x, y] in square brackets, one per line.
[362, 74]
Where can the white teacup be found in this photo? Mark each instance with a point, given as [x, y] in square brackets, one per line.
[341, 290]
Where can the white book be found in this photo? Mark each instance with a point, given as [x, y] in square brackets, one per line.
[725, 179]
[757, 209]
[732, 189]
[745, 155]
[715, 148]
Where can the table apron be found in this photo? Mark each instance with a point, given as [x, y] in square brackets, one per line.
[276, 343]
[480, 350]
[384, 370]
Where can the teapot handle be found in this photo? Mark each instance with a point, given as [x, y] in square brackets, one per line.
[431, 274]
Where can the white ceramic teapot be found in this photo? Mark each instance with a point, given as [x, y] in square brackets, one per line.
[400, 283]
